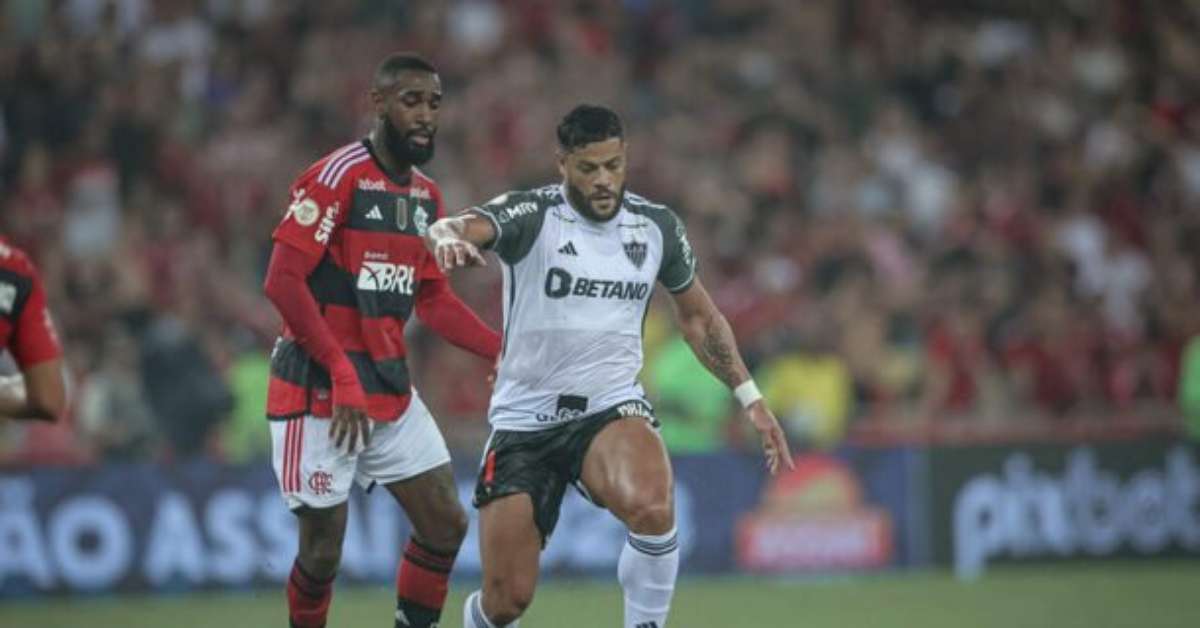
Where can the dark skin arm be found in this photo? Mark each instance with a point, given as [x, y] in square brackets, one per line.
[712, 340]
[39, 393]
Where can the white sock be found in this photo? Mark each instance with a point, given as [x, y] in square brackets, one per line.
[647, 570]
[473, 616]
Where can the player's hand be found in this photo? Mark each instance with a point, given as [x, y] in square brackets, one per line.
[453, 253]
[351, 423]
[774, 442]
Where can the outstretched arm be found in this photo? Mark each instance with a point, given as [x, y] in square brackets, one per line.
[712, 340]
[455, 241]
[446, 314]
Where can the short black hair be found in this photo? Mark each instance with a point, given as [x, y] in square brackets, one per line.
[398, 62]
[586, 124]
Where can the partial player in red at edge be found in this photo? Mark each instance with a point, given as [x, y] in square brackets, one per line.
[27, 332]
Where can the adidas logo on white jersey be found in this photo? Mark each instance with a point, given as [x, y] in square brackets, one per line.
[569, 249]
[375, 214]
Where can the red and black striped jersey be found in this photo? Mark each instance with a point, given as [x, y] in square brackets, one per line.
[26, 329]
[367, 229]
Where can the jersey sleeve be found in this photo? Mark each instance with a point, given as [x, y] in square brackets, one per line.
[517, 218]
[314, 214]
[678, 269]
[34, 338]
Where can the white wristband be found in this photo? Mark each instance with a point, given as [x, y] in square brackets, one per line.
[747, 393]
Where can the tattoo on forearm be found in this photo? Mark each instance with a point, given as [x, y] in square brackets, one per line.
[718, 353]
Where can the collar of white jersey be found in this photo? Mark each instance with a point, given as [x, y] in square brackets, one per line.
[607, 225]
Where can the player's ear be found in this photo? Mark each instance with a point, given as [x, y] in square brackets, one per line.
[561, 157]
[378, 103]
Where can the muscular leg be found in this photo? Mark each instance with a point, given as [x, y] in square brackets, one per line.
[310, 586]
[431, 502]
[439, 523]
[626, 468]
[509, 545]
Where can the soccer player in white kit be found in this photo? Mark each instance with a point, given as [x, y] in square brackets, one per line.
[580, 260]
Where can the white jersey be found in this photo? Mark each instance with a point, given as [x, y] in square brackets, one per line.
[575, 299]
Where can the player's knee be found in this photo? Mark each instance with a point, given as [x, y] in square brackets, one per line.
[505, 603]
[447, 531]
[322, 558]
[456, 528]
[651, 514]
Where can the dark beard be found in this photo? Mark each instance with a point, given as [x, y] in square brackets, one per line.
[404, 150]
[584, 206]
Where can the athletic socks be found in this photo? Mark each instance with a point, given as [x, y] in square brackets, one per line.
[473, 616]
[647, 570]
[308, 598]
[421, 585]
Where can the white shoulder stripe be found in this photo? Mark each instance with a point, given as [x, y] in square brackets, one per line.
[337, 160]
[635, 199]
[334, 157]
[344, 166]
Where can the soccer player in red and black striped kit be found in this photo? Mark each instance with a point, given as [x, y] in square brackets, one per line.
[27, 332]
[348, 269]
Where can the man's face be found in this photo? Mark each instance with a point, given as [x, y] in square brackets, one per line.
[595, 178]
[409, 109]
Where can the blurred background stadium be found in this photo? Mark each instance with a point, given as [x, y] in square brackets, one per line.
[959, 242]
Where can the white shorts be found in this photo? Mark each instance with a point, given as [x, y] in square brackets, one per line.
[313, 472]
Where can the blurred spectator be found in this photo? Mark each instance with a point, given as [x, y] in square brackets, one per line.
[188, 395]
[1189, 387]
[692, 405]
[113, 414]
[247, 436]
[808, 385]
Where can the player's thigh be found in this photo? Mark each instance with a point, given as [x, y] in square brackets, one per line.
[509, 546]
[626, 469]
[312, 471]
[430, 500]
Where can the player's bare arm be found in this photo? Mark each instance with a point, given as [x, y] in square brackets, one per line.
[36, 394]
[455, 241]
[711, 338]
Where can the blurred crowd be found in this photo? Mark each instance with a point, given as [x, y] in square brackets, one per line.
[913, 210]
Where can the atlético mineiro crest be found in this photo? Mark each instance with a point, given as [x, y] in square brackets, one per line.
[636, 252]
[401, 213]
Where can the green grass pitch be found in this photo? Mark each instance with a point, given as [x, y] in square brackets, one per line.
[1109, 595]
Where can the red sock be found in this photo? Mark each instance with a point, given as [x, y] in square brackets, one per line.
[421, 585]
[308, 598]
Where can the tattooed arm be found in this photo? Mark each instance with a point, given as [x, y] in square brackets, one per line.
[712, 340]
[709, 335]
